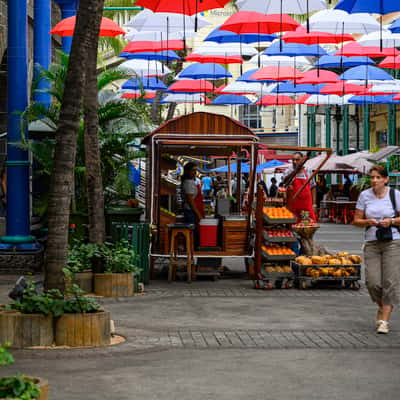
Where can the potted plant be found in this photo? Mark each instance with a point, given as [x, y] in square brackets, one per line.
[120, 270]
[79, 265]
[71, 319]
[20, 387]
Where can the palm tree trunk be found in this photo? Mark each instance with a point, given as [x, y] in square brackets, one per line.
[94, 183]
[65, 149]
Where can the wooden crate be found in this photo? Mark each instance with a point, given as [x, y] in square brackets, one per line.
[235, 239]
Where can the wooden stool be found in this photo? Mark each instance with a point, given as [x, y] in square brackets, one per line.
[186, 230]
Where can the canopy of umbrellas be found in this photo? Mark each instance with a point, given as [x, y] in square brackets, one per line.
[341, 55]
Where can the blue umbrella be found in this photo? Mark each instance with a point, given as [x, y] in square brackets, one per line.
[205, 71]
[384, 99]
[366, 72]
[147, 83]
[224, 168]
[395, 26]
[369, 6]
[342, 61]
[165, 55]
[230, 37]
[294, 49]
[288, 87]
[230, 99]
[245, 77]
[268, 164]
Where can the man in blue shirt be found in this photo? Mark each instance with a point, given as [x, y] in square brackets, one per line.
[206, 185]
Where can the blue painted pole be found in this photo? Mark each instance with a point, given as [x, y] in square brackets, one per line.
[18, 218]
[68, 9]
[42, 46]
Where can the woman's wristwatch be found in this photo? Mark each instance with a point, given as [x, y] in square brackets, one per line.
[393, 221]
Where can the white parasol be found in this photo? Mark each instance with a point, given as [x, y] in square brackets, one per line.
[282, 6]
[144, 68]
[284, 61]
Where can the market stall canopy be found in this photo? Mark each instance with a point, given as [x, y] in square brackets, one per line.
[202, 133]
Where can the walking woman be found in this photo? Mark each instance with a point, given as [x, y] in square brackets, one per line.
[376, 210]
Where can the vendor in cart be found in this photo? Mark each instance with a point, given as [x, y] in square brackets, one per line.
[294, 178]
[193, 207]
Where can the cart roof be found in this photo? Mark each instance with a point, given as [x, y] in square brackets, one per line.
[200, 124]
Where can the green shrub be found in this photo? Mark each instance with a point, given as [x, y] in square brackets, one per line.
[18, 387]
[120, 258]
[54, 302]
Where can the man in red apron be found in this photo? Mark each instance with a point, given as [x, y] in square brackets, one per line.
[306, 200]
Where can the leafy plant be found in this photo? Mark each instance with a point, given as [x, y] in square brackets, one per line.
[18, 387]
[76, 302]
[53, 302]
[120, 258]
[80, 256]
[6, 357]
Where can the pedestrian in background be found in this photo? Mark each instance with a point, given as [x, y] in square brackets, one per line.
[376, 210]
[273, 189]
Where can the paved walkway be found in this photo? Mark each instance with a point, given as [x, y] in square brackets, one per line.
[225, 340]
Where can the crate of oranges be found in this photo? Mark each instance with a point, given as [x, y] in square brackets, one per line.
[277, 253]
[278, 215]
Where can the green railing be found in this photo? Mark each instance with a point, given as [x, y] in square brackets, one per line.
[138, 236]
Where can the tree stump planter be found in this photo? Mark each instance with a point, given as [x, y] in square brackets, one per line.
[26, 330]
[114, 285]
[43, 385]
[84, 280]
[90, 329]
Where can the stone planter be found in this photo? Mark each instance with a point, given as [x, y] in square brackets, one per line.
[84, 280]
[43, 385]
[114, 285]
[76, 330]
[26, 330]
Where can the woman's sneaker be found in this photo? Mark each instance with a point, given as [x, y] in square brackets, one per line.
[383, 327]
[378, 318]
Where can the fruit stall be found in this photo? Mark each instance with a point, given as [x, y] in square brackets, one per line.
[279, 237]
[198, 136]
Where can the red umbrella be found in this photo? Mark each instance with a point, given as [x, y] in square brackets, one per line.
[276, 73]
[191, 86]
[275, 100]
[390, 62]
[254, 22]
[397, 97]
[66, 27]
[302, 99]
[150, 95]
[316, 76]
[202, 58]
[300, 35]
[187, 7]
[355, 49]
[342, 88]
[147, 46]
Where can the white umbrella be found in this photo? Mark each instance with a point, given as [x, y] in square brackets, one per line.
[283, 61]
[357, 161]
[389, 87]
[148, 20]
[156, 36]
[284, 6]
[144, 68]
[315, 162]
[245, 87]
[225, 49]
[184, 98]
[385, 39]
[321, 99]
[338, 21]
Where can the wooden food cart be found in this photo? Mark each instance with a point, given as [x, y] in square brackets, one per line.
[198, 135]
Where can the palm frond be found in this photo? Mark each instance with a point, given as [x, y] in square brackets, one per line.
[109, 76]
[115, 44]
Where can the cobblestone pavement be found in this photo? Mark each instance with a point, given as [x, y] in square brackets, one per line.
[225, 340]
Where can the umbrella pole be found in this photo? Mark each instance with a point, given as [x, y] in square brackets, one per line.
[229, 177]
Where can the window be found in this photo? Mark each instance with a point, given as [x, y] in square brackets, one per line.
[249, 115]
